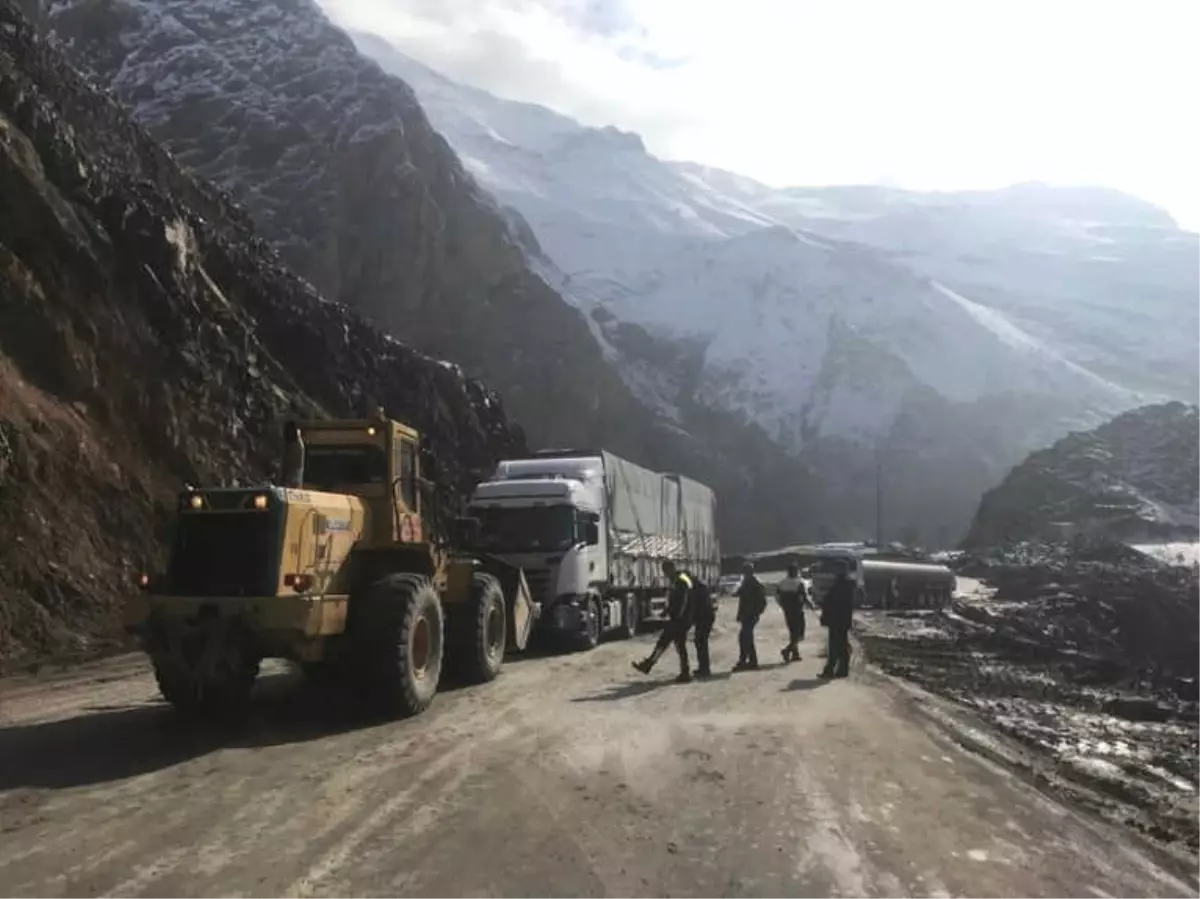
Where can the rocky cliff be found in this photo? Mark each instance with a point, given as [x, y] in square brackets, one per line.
[337, 163]
[340, 168]
[1134, 478]
[148, 337]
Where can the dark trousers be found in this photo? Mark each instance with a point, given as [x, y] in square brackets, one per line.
[837, 662]
[704, 626]
[748, 653]
[675, 632]
[793, 614]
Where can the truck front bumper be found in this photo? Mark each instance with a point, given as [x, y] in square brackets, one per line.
[564, 615]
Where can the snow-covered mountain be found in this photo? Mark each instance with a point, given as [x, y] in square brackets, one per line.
[928, 340]
[1059, 294]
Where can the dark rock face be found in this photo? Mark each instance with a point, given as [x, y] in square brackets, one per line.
[148, 337]
[1133, 478]
[340, 168]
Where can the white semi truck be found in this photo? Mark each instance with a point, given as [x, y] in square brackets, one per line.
[591, 531]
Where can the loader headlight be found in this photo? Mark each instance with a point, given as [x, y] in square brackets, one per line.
[260, 501]
[196, 501]
[371, 430]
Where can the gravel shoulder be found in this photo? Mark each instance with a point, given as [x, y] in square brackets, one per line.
[569, 775]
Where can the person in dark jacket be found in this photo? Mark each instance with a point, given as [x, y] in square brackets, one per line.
[792, 597]
[679, 615]
[752, 602]
[837, 613]
[704, 610]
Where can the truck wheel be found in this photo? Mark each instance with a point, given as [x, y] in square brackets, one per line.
[590, 637]
[479, 634]
[396, 637]
[630, 615]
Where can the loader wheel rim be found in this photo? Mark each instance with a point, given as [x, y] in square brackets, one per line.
[421, 642]
[495, 629]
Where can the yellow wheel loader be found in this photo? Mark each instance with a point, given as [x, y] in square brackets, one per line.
[348, 570]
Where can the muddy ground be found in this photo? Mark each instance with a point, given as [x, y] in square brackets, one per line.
[569, 775]
[1052, 666]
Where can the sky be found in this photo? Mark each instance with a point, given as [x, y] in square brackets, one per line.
[908, 93]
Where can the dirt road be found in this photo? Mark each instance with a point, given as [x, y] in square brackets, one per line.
[570, 775]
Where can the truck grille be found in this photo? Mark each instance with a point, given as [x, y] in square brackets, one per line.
[225, 554]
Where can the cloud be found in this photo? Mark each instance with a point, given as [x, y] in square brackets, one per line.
[926, 94]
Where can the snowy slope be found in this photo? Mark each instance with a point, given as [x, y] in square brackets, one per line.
[761, 277]
[1108, 280]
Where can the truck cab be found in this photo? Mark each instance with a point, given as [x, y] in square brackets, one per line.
[547, 517]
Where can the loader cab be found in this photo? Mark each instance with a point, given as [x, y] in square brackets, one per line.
[377, 460]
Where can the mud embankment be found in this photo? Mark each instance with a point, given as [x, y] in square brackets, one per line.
[1088, 656]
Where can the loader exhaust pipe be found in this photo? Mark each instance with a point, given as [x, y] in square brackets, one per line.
[293, 456]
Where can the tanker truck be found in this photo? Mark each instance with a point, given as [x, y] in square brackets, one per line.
[591, 530]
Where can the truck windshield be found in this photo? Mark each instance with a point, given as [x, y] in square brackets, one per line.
[331, 467]
[525, 529]
[829, 564]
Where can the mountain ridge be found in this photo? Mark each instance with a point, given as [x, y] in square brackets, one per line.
[1135, 478]
[754, 281]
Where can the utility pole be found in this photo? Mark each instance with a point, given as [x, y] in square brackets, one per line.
[879, 498]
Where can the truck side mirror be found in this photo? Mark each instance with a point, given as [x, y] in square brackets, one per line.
[591, 532]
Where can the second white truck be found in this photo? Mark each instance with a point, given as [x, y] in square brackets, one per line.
[591, 531]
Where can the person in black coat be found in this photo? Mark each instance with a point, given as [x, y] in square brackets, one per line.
[752, 602]
[837, 613]
[704, 615]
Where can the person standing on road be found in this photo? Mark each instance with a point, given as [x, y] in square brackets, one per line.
[679, 619]
[704, 609]
[792, 598]
[752, 602]
[837, 613]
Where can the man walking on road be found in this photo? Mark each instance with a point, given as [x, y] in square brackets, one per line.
[704, 610]
[837, 612]
[752, 602]
[792, 598]
[679, 614]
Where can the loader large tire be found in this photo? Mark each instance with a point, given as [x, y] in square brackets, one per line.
[224, 696]
[479, 632]
[396, 636]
